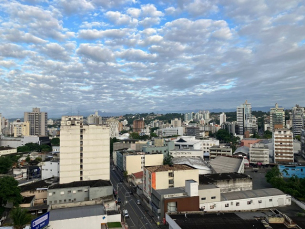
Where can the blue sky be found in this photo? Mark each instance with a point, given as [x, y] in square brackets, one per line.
[147, 56]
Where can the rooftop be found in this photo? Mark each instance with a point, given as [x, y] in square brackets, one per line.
[5, 148]
[206, 186]
[196, 162]
[76, 212]
[211, 178]
[35, 185]
[251, 194]
[162, 168]
[91, 183]
[170, 191]
[226, 164]
[138, 175]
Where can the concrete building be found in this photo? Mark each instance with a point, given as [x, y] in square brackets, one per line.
[222, 118]
[79, 191]
[165, 149]
[94, 119]
[259, 154]
[283, 146]
[207, 144]
[165, 176]
[93, 215]
[20, 129]
[188, 117]
[227, 165]
[220, 151]
[227, 182]
[297, 120]
[84, 151]
[303, 143]
[277, 118]
[245, 120]
[176, 153]
[248, 141]
[7, 150]
[192, 131]
[49, 169]
[176, 122]
[170, 131]
[50, 122]
[39, 189]
[113, 126]
[38, 122]
[138, 125]
[135, 162]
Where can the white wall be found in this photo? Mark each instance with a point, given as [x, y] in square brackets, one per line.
[244, 206]
[49, 169]
[92, 222]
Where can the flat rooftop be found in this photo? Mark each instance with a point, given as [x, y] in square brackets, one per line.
[162, 168]
[42, 184]
[214, 221]
[251, 194]
[76, 212]
[170, 191]
[91, 183]
[211, 178]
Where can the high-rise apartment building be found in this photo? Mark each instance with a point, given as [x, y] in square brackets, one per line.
[277, 118]
[176, 122]
[222, 118]
[245, 120]
[84, 151]
[38, 121]
[95, 119]
[282, 146]
[20, 129]
[297, 119]
[138, 125]
[113, 126]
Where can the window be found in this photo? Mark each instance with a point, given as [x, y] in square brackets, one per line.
[249, 202]
[54, 193]
[213, 206]
[260, 201]
[59, 201]
[69, 200]
[79, 190]
[226, 205]
[237, 203]
[203, 198]
[213, 197]
[69, 191]
[64, 200]
[50, 202]
[270, 200]
[74, 199]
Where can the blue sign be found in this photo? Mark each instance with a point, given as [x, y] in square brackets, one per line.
[41, 221]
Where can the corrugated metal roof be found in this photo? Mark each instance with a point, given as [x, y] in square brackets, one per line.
[226, 164]
[251, 194]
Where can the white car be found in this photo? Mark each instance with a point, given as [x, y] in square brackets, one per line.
[125, 213]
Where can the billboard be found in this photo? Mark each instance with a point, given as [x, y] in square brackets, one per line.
[41, 221]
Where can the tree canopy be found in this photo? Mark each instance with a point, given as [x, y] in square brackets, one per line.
[29, 147]
[55, 142]
[167, 160]
[9, 191]
[20, 218]
[5, 164]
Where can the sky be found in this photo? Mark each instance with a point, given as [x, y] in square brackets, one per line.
[133, 56]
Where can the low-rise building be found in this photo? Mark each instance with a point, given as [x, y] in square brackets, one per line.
[195, 162]
[223, 164]
[220, 151]
[7, 150]
[228, 182]
[166, 176]
[79, 191]
[259, 154]
[170, 131]
[185, 153]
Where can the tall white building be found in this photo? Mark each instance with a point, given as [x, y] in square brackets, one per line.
[176, 122]
[283, 146]
[297, 120]
[84, 151]
[95, 119]
[277, 117]
[245, 120]
[38, 121]
[222, 118]
[114, 127]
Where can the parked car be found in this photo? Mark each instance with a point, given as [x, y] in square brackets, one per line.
[125, 213]
[138, 202]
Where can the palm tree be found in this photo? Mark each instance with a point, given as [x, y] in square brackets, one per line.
[20, 218]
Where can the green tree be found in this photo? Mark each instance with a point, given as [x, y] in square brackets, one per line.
[28, 159]
[134, 135]
[55, 142]
[38, 159]
[168, 160]
[223, 135]
[20, 218]
[153, 135]
[125, 174]
[5, 164]
[45, 148]
[9, 191]
[297, 137]
[267, 134]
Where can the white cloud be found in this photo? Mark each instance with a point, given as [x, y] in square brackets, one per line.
[96, 53]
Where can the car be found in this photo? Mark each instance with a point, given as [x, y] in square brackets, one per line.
[138, 202]
[125, 213]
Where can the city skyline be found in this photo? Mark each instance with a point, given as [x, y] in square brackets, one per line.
[149, 56]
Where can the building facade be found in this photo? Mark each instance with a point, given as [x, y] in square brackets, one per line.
[84, 151]
[222, 118]
[297, 120]
[245, 120]
[38, 121]
[283, 146]
[220, 151]
[138, 125]
[277, 118]
[259, 154]
[49, 169]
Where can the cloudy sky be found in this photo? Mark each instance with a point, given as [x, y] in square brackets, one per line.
[144, 56]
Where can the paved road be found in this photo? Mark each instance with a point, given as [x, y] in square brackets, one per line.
[138, 218]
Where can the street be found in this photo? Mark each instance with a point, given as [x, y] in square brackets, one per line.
[137, 219]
